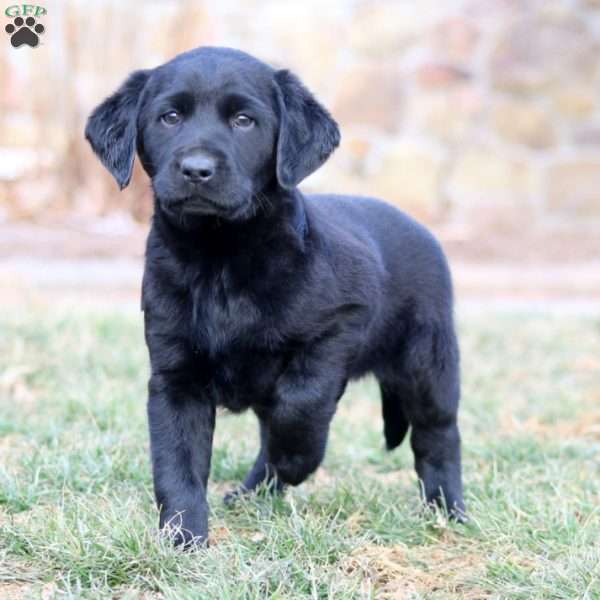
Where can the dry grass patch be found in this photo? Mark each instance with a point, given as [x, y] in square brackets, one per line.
[584, 425]
[402, 572]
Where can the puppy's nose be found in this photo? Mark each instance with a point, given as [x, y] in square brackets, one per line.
[198, 167]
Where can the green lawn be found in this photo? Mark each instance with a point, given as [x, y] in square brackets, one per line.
[77, 518]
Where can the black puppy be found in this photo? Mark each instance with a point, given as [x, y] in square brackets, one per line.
[256, 296]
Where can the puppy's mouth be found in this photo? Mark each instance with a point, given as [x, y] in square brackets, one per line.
[202, 206]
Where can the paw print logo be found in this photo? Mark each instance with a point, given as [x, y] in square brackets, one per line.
[24, 31]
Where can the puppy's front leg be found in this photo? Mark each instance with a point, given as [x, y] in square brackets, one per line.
[298, 422]
[181, 432]
[261, 473]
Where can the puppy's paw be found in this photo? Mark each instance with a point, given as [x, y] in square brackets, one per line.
[273, 487]
[184, 533]
[230, 498]
[458, 515]
[185, 538]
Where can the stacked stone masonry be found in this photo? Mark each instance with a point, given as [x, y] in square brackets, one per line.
[459, 110]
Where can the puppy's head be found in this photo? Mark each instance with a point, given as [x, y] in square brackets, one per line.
[214, 128]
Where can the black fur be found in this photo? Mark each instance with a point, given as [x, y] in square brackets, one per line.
[112, 131]
[256, 296]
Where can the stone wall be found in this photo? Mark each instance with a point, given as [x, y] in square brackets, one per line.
[463, 111]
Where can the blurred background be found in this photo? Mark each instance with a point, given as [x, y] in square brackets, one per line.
[479, 117]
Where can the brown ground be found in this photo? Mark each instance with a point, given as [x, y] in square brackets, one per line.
[76, 255]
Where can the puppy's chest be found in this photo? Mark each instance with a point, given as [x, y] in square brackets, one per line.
[235, 352]
[225, 317]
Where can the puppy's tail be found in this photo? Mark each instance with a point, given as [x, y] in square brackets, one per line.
[395, 423]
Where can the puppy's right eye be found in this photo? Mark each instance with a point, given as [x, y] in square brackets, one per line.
[171, 118]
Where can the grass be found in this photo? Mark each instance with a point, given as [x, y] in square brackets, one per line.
[77, 518]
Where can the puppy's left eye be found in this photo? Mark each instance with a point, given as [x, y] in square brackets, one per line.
[242, 121]
[172, 117]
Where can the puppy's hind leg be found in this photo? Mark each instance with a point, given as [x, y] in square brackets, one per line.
[432, 412]
[261, 472]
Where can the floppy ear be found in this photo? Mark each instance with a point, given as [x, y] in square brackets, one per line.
[111, 129]
[307, 132]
